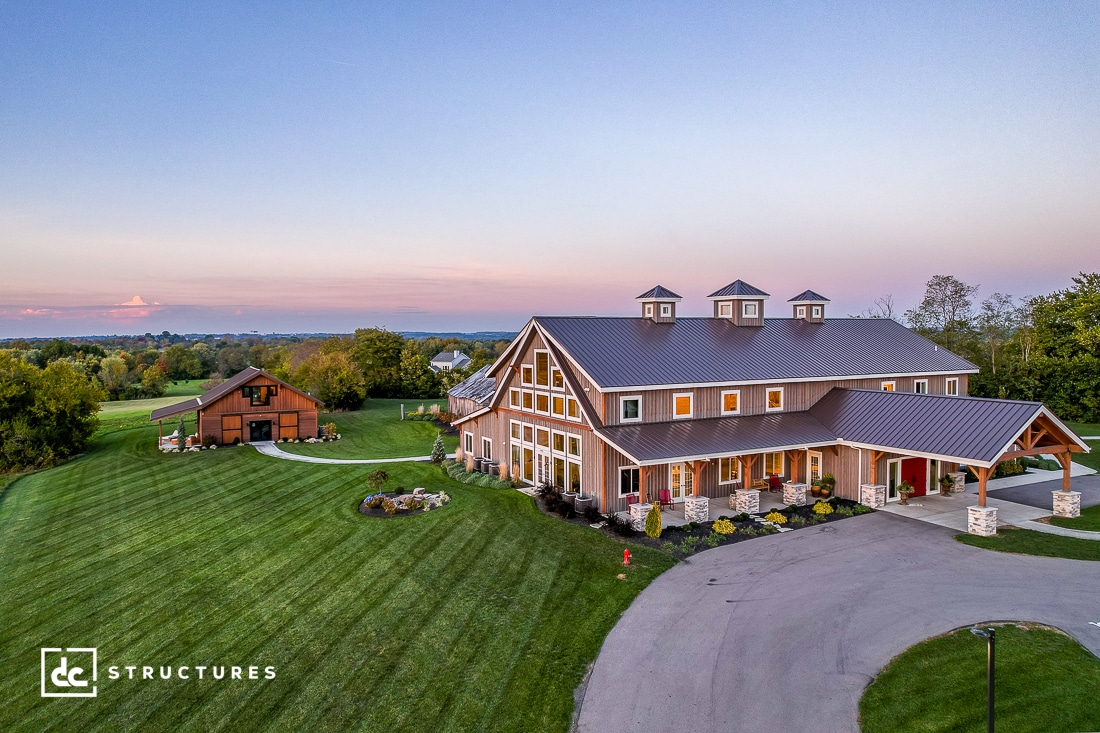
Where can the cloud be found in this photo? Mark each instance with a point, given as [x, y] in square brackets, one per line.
[136, 300]
[35, 312]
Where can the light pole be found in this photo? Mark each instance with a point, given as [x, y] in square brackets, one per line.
[990, 635]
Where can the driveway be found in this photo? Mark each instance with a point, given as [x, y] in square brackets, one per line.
[783, 633]
[1038, 495]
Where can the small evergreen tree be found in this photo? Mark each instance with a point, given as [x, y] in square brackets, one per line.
[438, 451]
[653, 521]
[181, 432]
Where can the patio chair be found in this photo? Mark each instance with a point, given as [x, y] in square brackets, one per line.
[631, 499]
[775, 483]
[664, 497]
[760, 484]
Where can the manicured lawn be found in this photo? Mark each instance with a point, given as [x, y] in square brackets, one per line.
[1092, 460]
[1030, 542]
[481, 615]
[184, 388]
[1084, 428]
[1045, 681]
[127, 414]
[1089, 520]
[375, 431]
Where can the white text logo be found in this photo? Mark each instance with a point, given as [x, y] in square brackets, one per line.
[69, 672]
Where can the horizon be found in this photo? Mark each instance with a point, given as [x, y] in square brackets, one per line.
[460, 169]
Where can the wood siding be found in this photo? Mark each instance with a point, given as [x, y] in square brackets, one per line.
[292, 415]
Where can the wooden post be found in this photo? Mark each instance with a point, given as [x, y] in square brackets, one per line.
[983, 477]
[643, 477]
[1064, 459]
[875, 455]
[696, 472]
[746, 469]
[795, 457]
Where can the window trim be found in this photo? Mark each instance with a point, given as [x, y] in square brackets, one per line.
[512, 425]
[538, 432]
[725, 309]
[920, 381]
[549, 365]
[666, 310]
[515, 398]
[546, 396]
[893, 386]
[782, 463]
[691, 405]
[947, 386]
[554, 435]
[725, 482]
[637, 473]
[625, 398]
[528, 400]
[554, 399]
[722, 402]
[554, 370]
[569, 401]
[767, 406]
[468, 442]
[800, 311]
[746, 305]
[648, 310]
[527, 370]
[486, 447]
[816, 311]
[569, 438]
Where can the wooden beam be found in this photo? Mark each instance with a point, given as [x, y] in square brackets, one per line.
[643, 477]
[875, 455]
[1055, 449]
[746, 469]
[1064, 459]
[696, 473]
[795, 457]
[983, 478]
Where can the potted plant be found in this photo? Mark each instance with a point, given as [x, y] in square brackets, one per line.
[905, 490]
[815, 487]
[947, 482]
[828, 485]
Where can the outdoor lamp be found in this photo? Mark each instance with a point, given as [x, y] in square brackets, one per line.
[991, 638]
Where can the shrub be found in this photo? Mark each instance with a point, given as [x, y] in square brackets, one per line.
[749, 532]
[668, 547]
[742, 517]
[713, 539]
[592, 515]
[209, 440]
[330, 429]
[389, 506]
[236, 441]
[444, 497]
[374, 501]
[724, 526]
[446, 417]
[688, 544]
[775, 518]
[796, 521]
[843, 511]
[413, 504]
[438, 451]
[565, 509]
[861, 509]
[653, 521]
[766, 530]
[620, 526]
[822, 508]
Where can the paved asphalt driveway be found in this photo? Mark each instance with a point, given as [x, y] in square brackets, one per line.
[1038, 495]
[783, 633]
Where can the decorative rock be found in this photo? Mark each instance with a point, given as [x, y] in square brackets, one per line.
[981, 520]
[213, 447]
[637, 516]
[748, 501]
[1067, 503]
[418, 491]
[960, 482]
[794, 493]
[696, 509]
[872, 495]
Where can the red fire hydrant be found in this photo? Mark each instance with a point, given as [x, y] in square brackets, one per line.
[626, 557]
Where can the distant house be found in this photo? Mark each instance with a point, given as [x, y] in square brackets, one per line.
[250, 407]
[448, 361]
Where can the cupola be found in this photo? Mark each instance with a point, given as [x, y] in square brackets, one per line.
[659, 304]
[740, 303]
[809, 306]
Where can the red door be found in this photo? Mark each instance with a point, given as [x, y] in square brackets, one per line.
[915, 471]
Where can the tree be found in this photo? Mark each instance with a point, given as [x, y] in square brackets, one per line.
[653, 521]
[996, 320]
[114, 375]
[332, 378]
[377, 353]
[417, 377]
[881, 307]
[439, 453]
[946, 312]
[181, 435]
[232, 359]
[153, 381]
[377, 479]
[180, 362]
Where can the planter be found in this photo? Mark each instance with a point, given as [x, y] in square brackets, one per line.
[815, 491]
[825, 493]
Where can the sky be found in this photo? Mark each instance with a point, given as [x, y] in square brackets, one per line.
[294, 167]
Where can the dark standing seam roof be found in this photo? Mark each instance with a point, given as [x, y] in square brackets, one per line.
[808, 295]
[718, 435]
[658, 292]
[636, 352]
[220, 391]
[477, 387]
[739, 288]
[972, 428]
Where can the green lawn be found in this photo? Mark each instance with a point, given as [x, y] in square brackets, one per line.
[1045, 681]
[1092, 460]
[480, 616]
[1089, 520]
[1030, 542]
[375, 431]
[185, 388]
[1084, 428]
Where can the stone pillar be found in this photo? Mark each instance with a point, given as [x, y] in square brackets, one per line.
[960, 482]
[637, 516]
[981, 520]
[794, 493]
[1067, 503]
[873, 495]
[696, 509]
[748, 501]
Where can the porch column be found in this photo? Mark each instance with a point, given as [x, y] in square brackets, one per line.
[746, 469]
[981, 520]
[1064, 459]
[1066, 503]
[160, 433]
[696, 474]
[643, 477]
[795, 457]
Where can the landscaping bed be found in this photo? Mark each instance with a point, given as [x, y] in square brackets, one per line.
[394, 504]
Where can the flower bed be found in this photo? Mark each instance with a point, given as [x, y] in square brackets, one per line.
[457, 471]
[392, 504]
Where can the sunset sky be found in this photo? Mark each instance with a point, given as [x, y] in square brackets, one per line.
[213, 167]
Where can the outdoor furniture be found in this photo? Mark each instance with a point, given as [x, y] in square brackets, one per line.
[774, 483]
[631, 499]
[664, 498]
[760, 484]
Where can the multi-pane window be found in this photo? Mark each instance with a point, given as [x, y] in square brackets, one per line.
[574, 476]
[952, 386]
[775, 399]
[559, 442]
[542, 368]
[528, 400]
[542, 402]
[542, 437]
[729, 470]
[260, 395]
[888, 386]
[666, 310]
[725, 310]
[628, 480]
[468, 443]
[631, 409]
[525, 374]
[920, 386]
[557, 381]
[750, 309]
[773, 464]
[517, 431]
[574, 445]
[572, 409]
[514, 399]
[557, 406]
[681, 404]
[731, 402]
[801, 311]
[817, 311]
[528, 434]
[487, 448]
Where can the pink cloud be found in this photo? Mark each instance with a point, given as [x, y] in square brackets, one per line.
[136, 300]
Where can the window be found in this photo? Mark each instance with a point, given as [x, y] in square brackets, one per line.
[468, 443]
[487, 448]
[666, 310]
[951, 387]
[800, 312]
[888, 386]
[528, 400]
[572, 409]
[559, 442]
[817, 311]
[729, 470]
[920, 386]
[542, 437]
[574, 476]
[574, 445]
[525, 373]
[557, 381]
[725, 310]
[775, 399]
[559, 472]
[750, 309]
[630, 409]
[517, 430]
[542, 368]
[514, 399]
[542, 403]
[628, 480]
[528, 434]
[516, 453]
[260, 395]
[557, 405]
[648, 310]
[773, 463]
[731, 402]
[681, 404]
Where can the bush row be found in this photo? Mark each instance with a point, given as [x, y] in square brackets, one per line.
[458, 472]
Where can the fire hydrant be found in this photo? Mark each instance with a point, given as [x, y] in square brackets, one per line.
[626, 557]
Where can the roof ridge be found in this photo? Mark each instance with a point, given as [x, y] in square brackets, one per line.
[943, 396]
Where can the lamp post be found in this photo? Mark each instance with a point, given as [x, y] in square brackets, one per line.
[990, 635]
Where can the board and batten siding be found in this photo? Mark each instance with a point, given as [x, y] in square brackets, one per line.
[292, 415]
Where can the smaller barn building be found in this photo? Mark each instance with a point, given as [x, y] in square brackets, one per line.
[249, 407]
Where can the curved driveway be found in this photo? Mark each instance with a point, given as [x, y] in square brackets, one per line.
[783, 633]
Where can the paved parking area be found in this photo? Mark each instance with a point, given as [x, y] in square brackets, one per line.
[784, 632]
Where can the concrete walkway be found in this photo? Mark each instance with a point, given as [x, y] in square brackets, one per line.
[269, 448]
[783, 633]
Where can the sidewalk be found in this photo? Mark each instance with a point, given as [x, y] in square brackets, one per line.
[269, 448]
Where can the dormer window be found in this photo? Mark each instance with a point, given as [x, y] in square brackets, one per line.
[800, 312]
[682, 405]
[630, 408]
[775, 399]
[648, 310]
[666, 310]
[750, 309]
[725, 310]
[816, 311]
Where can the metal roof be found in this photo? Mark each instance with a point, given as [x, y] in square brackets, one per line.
[658, 293]
[636, 352]
[449, 357]
[205, 400]
[739, 289]
[717, 436]
[477, 387]
[808, 296]
[971, 428]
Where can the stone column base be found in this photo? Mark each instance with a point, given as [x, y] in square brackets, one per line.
[1067, 503]
[637, 516]
[696, 509]
[981, 520]
[748, 501]
[872, 495]
[794, 493]
[960, 482]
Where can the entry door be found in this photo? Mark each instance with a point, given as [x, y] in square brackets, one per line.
[528, 465]
[543, 473]
[893, 478]
[915, 471]
[814, 463]
[259, 430]
[680, 481]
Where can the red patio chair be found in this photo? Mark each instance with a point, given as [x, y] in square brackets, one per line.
[664, 497]
[631, 499]
[774, 483]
